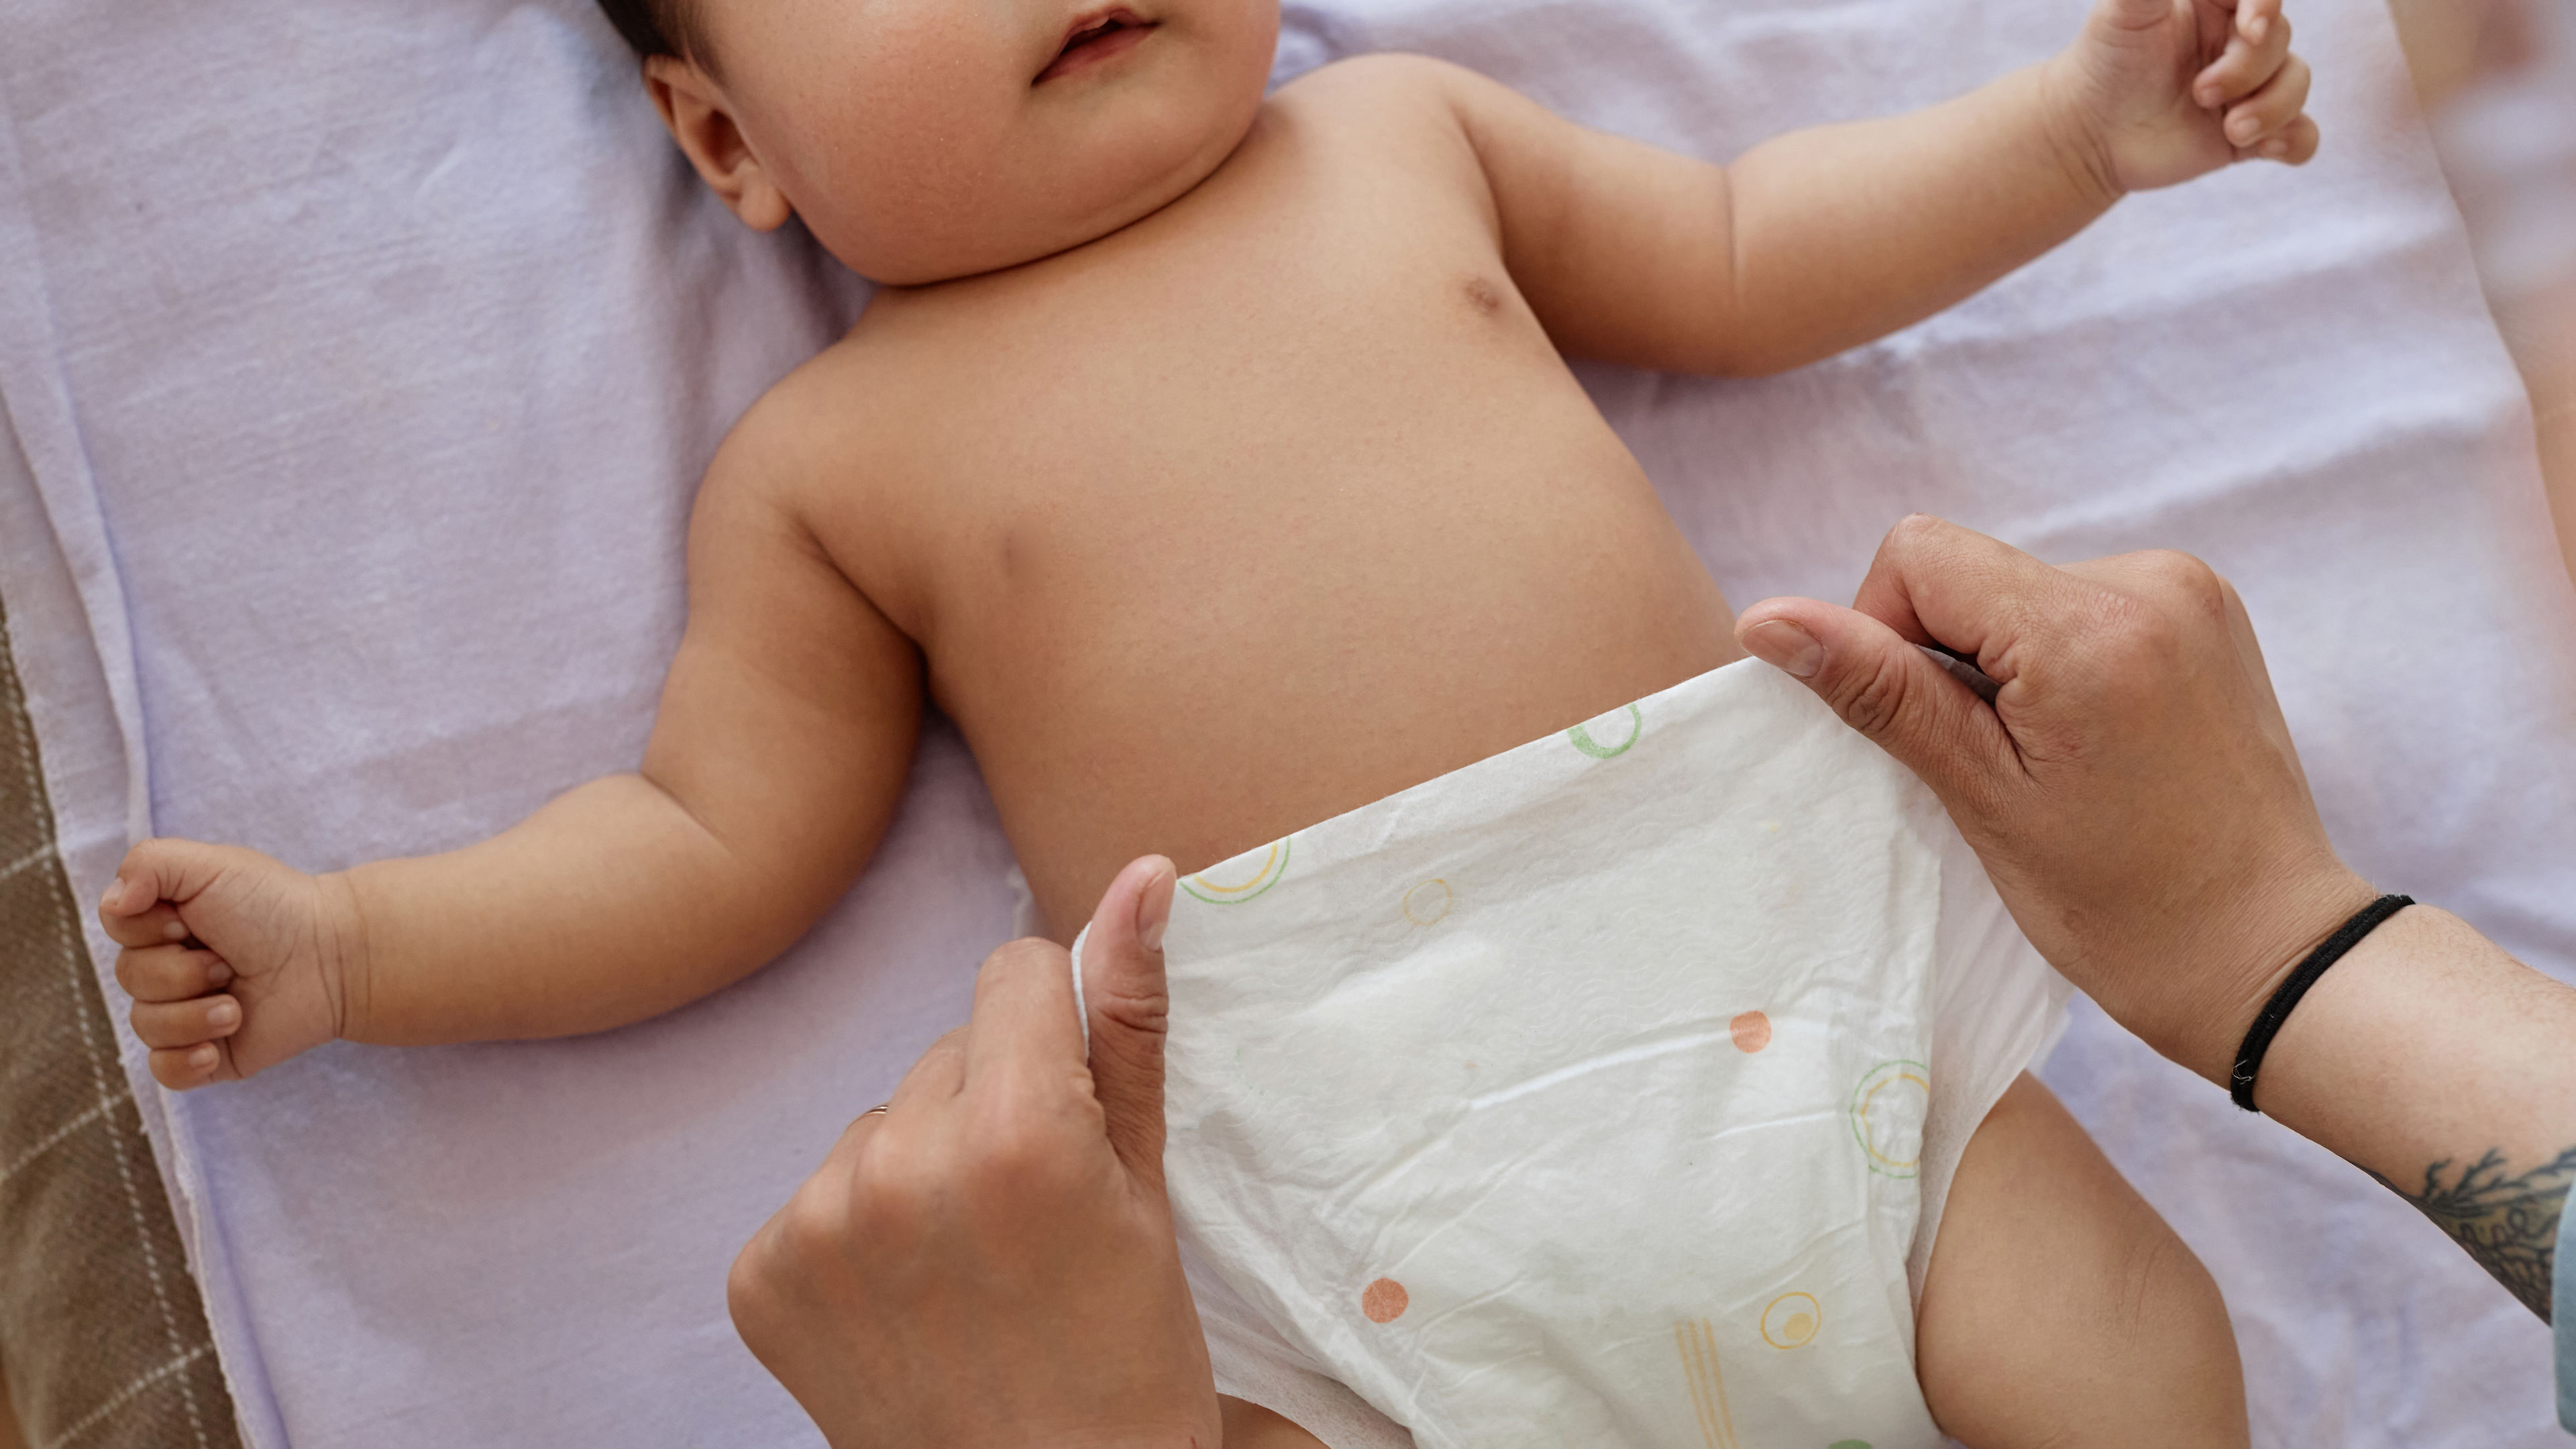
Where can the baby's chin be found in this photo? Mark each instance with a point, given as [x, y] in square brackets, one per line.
[1025, 226]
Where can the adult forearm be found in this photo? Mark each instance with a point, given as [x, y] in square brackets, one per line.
[2440, 1065]
[1846, 233]
[610, 905]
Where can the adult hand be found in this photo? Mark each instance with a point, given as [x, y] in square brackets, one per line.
[2132, 788]
[2132, 792]
[990, 1260]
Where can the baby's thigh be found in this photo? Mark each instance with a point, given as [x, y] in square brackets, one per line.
[2059, 1309]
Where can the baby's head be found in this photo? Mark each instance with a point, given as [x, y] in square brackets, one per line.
[928, 139]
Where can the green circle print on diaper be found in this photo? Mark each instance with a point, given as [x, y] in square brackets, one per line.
[1613, 741]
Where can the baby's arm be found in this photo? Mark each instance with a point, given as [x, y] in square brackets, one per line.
[1824, 239]
[785, 736]
[2059, 1309]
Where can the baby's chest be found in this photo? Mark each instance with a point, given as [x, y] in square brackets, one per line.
[1350, 401]
[1336, 453]
[1252, 475]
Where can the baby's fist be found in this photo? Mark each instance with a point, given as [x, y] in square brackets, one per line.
[2162, 91]
[235, 961]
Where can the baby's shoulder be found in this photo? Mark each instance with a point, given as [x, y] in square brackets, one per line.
[815, 424]
[1408, 111]
[1387, 94]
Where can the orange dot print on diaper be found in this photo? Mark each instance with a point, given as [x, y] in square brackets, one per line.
[1791, 1320]
[1384, 1301]
[1751, 1030]
[1241, 878]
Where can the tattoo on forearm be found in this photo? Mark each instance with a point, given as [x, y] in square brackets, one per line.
[2509, 1224]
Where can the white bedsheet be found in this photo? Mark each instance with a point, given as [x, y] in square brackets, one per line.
[359, 361]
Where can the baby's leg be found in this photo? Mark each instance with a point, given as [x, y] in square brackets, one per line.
[1249, 1426]
[2059, 1310]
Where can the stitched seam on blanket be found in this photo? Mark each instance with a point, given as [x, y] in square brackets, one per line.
[126, 1395]
[61, 1134]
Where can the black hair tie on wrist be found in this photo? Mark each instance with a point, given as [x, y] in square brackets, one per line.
[2258, 1039]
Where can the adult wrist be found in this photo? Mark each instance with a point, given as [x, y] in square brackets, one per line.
[2426, 1044]
[2244, 1078]
[2246, 948]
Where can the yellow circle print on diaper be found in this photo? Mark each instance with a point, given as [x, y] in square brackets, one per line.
[1223, 885]
[1615, 735]
[1887, 1115]
[1428, 903]
[1791, 1320]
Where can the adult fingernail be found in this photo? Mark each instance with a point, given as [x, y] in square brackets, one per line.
[223, 1014]
[1786, 647]
[202, 1058]
[218, 974]
[1154, 907]
[174, 931]
[2243, 130]
[2257, 28]
[2276, 149]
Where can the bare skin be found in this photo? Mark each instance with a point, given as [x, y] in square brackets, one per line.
[1217, 468]
[2047, 1256]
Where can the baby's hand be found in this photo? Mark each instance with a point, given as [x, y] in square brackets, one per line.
[2166, 90]
[235, 962]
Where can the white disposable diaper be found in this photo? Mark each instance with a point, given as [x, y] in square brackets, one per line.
[1580, 1096]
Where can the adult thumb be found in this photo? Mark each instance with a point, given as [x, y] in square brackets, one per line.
[1883, 685]
[1129, 1005]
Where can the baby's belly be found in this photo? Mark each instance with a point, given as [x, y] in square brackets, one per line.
[1576, 1097]
[1257, 661]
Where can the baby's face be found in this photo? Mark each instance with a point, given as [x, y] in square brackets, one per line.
[928, 139]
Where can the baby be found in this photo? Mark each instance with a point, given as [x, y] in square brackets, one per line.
[1174, 400]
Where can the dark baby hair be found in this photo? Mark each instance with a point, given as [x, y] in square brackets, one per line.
[653, 27]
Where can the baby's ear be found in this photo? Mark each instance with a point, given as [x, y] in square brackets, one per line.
[701, 120]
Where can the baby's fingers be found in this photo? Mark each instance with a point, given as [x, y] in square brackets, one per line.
[2293, 145]
[2248, 62]
[2255, 19]
[2269, 114]
[162, 870]
[170, 973]
[174, 1025]
[156, 925]
[188, 1066]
